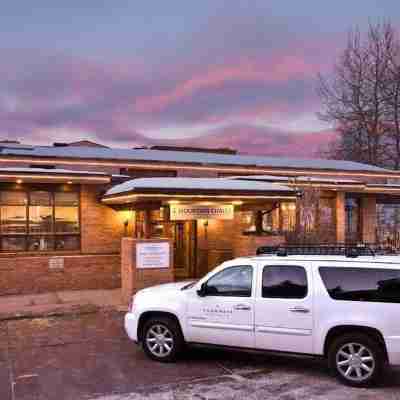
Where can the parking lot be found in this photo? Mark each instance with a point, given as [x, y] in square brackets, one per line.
[89, 357]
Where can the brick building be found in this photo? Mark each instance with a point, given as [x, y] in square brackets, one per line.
[65, 208]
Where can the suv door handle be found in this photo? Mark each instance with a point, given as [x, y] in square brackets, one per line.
[299, 309]
[242, 307]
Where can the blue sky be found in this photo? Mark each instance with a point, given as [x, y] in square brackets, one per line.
[125, 71]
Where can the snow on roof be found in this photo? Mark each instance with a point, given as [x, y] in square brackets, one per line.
[82, 152]
[272, 178]
[49, 171]
[195, 184]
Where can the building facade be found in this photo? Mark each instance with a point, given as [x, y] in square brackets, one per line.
[64, 209]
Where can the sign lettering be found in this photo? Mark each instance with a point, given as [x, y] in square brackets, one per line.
[200, 211]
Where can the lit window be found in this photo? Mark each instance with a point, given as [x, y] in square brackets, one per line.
[39, 220]
[288, 216]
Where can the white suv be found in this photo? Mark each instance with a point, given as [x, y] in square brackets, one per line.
[344, 309]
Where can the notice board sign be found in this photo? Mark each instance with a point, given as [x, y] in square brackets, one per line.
[200, 211]
[152, 255]
[56, 263]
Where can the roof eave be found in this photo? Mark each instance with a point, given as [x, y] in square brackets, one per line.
[228, 168]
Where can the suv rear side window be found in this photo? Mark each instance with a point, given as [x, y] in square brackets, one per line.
[284, 282]
[232, 281]
[362, 284]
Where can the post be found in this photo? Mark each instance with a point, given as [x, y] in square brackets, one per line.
[144, 263]
[340, 217]
[147, 224]
[368, 219]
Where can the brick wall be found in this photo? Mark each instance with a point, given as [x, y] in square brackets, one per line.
[223, 240]
[245, 245]
[101, 227]
[32, 274]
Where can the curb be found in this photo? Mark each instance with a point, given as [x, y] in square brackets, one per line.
[51, 312]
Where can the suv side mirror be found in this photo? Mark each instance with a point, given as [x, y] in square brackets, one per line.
[202, 292]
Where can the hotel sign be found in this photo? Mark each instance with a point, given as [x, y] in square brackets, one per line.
[200, 211]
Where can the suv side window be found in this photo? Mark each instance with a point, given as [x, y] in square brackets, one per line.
[284, 282]
[362, 284]
[232, 281]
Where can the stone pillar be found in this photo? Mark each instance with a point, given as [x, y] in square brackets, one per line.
[368, 219]
[136, 276]
[340, 217]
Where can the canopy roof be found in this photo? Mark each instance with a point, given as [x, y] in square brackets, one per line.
[195, 187]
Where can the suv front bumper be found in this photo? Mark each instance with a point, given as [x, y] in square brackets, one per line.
[131, 325]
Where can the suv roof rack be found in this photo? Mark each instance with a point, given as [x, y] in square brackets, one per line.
[351, 251]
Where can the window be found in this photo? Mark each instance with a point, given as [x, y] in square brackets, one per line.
[40, 212]
[288, 217]
[278, 219]
[233, 281]
[362, 284]
[66, 212]
[13, 212]
[284, 282]
[39, 219]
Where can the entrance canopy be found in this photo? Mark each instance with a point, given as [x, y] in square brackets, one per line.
[195, 189]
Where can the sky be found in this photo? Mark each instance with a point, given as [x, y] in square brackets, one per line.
[207, 73]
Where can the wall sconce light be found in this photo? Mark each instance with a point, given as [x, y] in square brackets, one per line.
[126, 216]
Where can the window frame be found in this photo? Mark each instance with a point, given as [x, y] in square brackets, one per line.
[308, 282]
[27, 236]
[253, 281]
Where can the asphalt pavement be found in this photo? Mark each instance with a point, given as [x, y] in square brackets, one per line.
[90, 357]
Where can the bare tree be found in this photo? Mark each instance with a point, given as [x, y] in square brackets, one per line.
[362, 97]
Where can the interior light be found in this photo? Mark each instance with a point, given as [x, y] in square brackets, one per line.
[19, 181]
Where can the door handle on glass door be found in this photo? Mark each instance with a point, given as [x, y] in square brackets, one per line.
[298, 309]
[242, 307]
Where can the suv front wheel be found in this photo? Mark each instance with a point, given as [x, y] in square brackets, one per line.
[356, 359]
[162, 339]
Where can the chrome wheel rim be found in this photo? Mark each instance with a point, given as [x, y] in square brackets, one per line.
[355, 362]
[159, 340]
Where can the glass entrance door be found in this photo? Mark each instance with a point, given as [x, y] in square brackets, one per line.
[184, 237]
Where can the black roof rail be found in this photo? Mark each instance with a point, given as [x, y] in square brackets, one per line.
[347, 250]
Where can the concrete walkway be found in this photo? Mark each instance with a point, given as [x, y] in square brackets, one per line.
[58, 303]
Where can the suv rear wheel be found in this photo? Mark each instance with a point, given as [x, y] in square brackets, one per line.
[162, 339]
[356, 359]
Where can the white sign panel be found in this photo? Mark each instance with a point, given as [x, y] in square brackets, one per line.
[152, 255]
[200, 211]
[56, 263]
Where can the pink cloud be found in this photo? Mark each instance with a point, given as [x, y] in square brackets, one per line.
[279, 69]
[248, 139]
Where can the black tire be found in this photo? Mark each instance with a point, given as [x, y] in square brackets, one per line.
[373, 352]
[173, 338]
